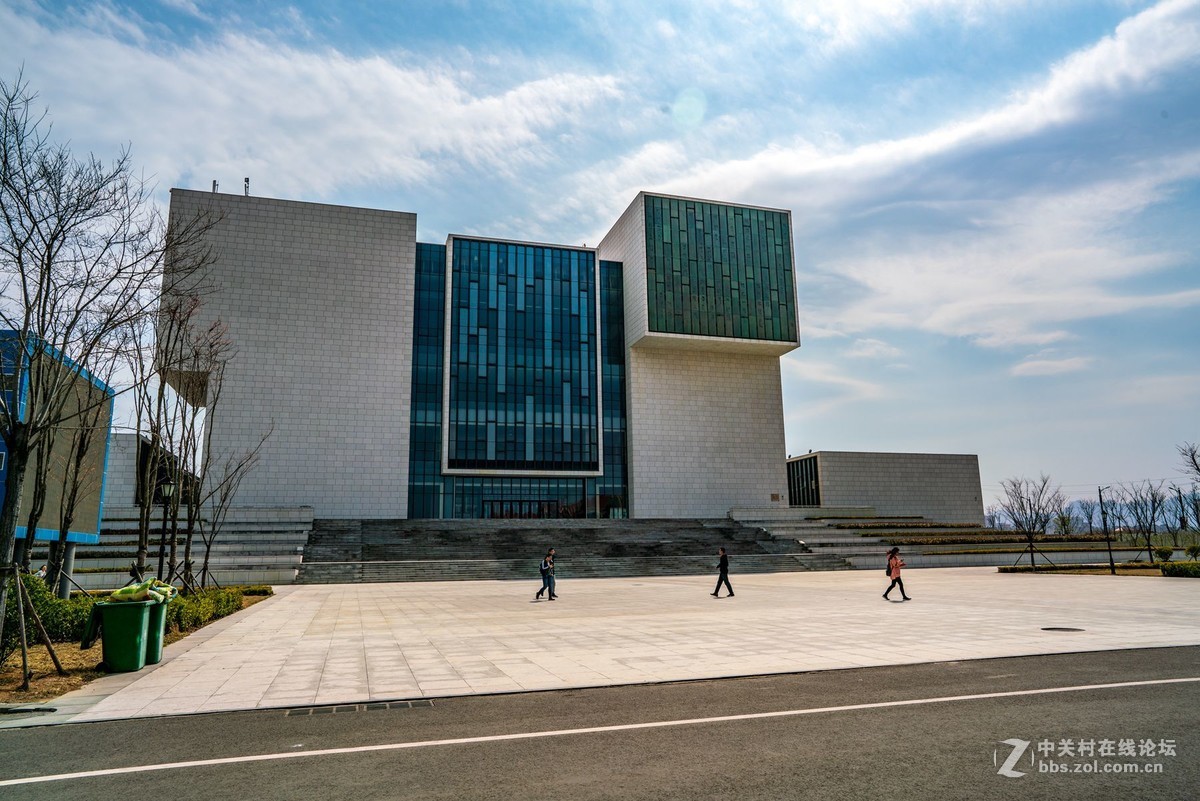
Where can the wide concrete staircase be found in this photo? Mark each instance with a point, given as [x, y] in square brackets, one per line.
[255, 546]
[860, 539]
[341, 551]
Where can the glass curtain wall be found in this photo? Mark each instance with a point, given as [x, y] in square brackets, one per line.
[804, 482]
[522, 359]
[432, 495]
[425, 432]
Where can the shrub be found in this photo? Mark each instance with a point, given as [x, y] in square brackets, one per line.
[256, 589]
[64, 620]
[1181, 569]
[1164, 554]
[1193, 552]
[185, 612]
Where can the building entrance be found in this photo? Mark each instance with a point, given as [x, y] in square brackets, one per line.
[520, 510]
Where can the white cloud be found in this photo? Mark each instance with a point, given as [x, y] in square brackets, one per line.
[188, 7]
[300, 123]
[1001, 258]
[1041, 367]
[872, 349]
[1160, 393]
[826, 387]
[849, 23]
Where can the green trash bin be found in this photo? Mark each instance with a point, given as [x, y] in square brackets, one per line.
[156, 629]
[124, 628]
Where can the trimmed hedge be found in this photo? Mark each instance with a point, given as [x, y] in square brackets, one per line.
[65, 619]
[193, 611]
[1045, 568]
[1181, 569]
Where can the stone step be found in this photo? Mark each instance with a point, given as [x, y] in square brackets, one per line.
[522, 569]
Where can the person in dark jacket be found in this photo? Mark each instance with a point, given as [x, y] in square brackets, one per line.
[547, 571]
[723, 576]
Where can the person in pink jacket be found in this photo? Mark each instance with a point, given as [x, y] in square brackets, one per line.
[894, 563]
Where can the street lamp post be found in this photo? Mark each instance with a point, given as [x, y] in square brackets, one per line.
[166, 489]
[1112, 566]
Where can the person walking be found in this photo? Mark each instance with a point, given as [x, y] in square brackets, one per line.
[547, 571]
[723, 575]
[894, 563]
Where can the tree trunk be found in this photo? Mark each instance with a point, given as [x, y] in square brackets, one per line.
[18, 457]
[173, 558]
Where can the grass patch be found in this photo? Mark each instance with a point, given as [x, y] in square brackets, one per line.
[913, 524]
[985, 537]
[1123, 569]
[1010, 551]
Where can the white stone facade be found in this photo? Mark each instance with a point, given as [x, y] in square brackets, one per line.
[120, 473]
[319, 303]
[936, 486]
[626, 242]
[705, 433]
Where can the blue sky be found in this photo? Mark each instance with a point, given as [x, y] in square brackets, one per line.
[995, 203]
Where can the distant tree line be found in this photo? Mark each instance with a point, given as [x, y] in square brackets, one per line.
[1137, 511]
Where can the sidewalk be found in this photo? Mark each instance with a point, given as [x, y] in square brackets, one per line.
[331, 644]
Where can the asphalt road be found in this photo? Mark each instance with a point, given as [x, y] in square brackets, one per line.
[746, 739]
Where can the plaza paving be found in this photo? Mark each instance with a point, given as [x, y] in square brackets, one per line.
[332, 644]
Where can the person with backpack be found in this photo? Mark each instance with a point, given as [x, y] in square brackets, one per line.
[547, 571]
[894, 563]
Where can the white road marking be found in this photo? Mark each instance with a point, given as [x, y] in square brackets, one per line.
[533, 735]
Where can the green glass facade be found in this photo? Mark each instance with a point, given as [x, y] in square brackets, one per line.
[718, 270]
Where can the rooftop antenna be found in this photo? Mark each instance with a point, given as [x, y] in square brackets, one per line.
[246, 185]
[215, 185]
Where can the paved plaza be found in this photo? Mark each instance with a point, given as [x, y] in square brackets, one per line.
[332, 644]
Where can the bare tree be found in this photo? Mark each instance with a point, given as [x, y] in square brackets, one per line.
[1192, 501]
[220, 497]
[1064, 520]
[1145, 503]
[1190, 453]
[1085, 510]
[1174, 515]
[993, 516]
[1030, 505]
[198, 383]
[82, 250]
[37, 473]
